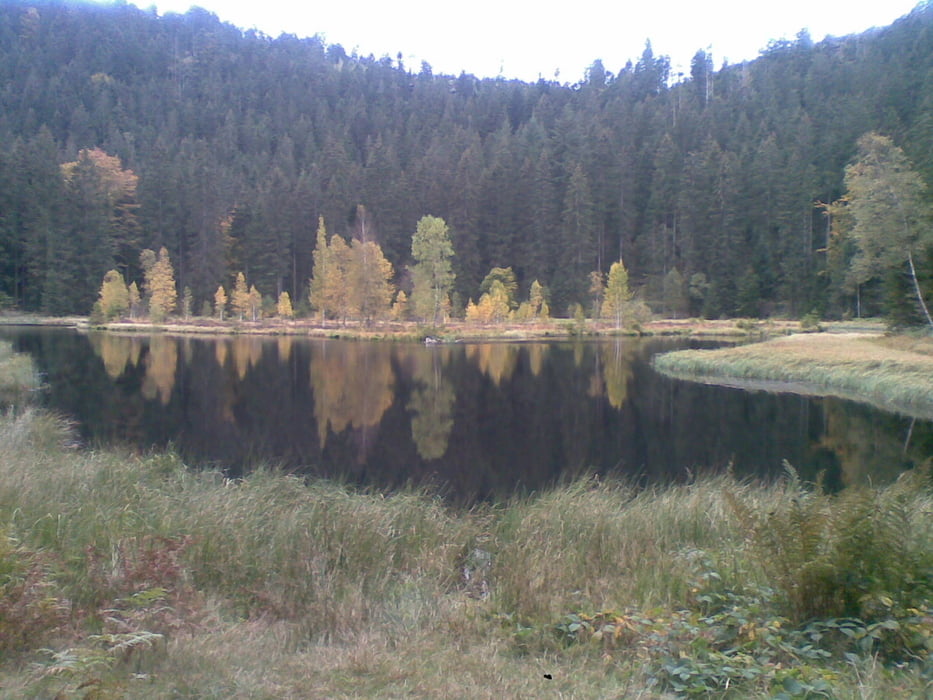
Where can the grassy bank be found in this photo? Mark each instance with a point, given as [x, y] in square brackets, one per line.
[548, 329]
[130, 575]
[895, 373]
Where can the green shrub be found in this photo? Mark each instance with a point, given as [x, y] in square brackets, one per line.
[838, 555]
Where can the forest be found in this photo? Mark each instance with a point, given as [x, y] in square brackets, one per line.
[728, 191]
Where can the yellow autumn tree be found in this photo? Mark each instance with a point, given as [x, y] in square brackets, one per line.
[159, 283]
[239, 300]
[133, 299]
[617, 294]
[283, 308]
[114, 296]
[220, 302]
[370, 281]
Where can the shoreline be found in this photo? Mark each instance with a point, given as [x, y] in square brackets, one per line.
[456, 331]
[891, 373]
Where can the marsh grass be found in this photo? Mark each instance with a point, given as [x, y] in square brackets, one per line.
[894, 373]
[146, 579]
[18, 376]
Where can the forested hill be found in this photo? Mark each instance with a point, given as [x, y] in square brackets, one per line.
[705, 184]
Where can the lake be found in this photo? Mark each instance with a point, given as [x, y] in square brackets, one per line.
[477, 420]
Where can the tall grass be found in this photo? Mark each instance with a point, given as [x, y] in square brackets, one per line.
[147, 579]
[318, 554]
[18, 375]
[595, 545]
[891, 374]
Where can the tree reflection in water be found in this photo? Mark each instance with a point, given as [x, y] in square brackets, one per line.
[480, 420]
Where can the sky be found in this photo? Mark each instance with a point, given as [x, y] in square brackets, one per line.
[530, 40]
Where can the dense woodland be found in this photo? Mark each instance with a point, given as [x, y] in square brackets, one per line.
[123, 131]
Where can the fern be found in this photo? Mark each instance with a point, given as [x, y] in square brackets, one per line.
[833, 555]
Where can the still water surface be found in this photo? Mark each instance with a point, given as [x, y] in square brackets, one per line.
[477, 420]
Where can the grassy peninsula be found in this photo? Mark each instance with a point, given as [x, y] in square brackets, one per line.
[132, 576]
[893, 372]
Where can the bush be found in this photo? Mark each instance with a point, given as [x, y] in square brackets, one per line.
[858, 553]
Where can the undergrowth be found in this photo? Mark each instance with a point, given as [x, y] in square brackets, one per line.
[133, 576]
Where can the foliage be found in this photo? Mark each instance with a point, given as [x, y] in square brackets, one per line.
[283, 308]
[706, 174]
[891, 214]
[432, 274]
[855, 554]
[239, 299]
[352, 281]
[133, 299]
[159, 283]
[319, 276]
[114, 296]
[617, 293]
[506, 279]
[370, 281]
[254, 303]
[400, 306]
[493, 306]
[220, 302]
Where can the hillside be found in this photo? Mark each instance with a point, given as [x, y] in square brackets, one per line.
[231, 144]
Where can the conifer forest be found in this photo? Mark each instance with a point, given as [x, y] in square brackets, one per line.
[726, 190]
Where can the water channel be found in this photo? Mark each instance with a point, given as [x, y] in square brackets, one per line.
[477, 421]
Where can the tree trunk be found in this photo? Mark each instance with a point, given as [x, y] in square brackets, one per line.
[913, 276]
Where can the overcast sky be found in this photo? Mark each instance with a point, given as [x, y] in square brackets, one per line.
[527, 40]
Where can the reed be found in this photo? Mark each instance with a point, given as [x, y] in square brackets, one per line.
[18, 376]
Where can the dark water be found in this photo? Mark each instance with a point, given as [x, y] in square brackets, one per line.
[476, 420]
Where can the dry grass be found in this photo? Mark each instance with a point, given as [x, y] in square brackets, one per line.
[894, 373]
